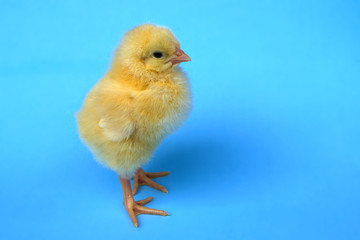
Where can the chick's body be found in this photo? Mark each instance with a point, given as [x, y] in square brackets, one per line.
[144, 115]
[137, 103]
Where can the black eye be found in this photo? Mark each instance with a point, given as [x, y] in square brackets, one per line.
[157, 54]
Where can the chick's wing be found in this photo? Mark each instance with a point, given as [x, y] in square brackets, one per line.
[114, 107]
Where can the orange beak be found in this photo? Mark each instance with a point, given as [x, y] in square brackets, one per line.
[180, 56]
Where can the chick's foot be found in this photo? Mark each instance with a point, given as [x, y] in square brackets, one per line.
[135, 208]
[143, 178]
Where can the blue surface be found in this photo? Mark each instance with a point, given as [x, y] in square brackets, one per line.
[271, 150]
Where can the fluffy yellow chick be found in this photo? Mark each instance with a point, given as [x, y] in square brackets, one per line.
[143, 97]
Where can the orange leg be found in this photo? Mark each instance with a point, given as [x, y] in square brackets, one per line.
[135, 208]
[143, 178]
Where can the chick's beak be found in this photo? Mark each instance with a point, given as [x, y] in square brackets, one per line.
[180, 56]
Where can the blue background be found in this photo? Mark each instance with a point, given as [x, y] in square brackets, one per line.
[271, 150]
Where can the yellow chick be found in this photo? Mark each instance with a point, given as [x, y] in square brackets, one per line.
[143, 97]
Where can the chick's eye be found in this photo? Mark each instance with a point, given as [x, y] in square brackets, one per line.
[157, 54]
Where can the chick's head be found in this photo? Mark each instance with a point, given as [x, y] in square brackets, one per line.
[149, 49]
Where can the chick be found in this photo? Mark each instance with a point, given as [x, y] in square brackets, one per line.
[143, 97]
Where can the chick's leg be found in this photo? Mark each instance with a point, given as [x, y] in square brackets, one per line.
[133, 207]
[143, 178]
